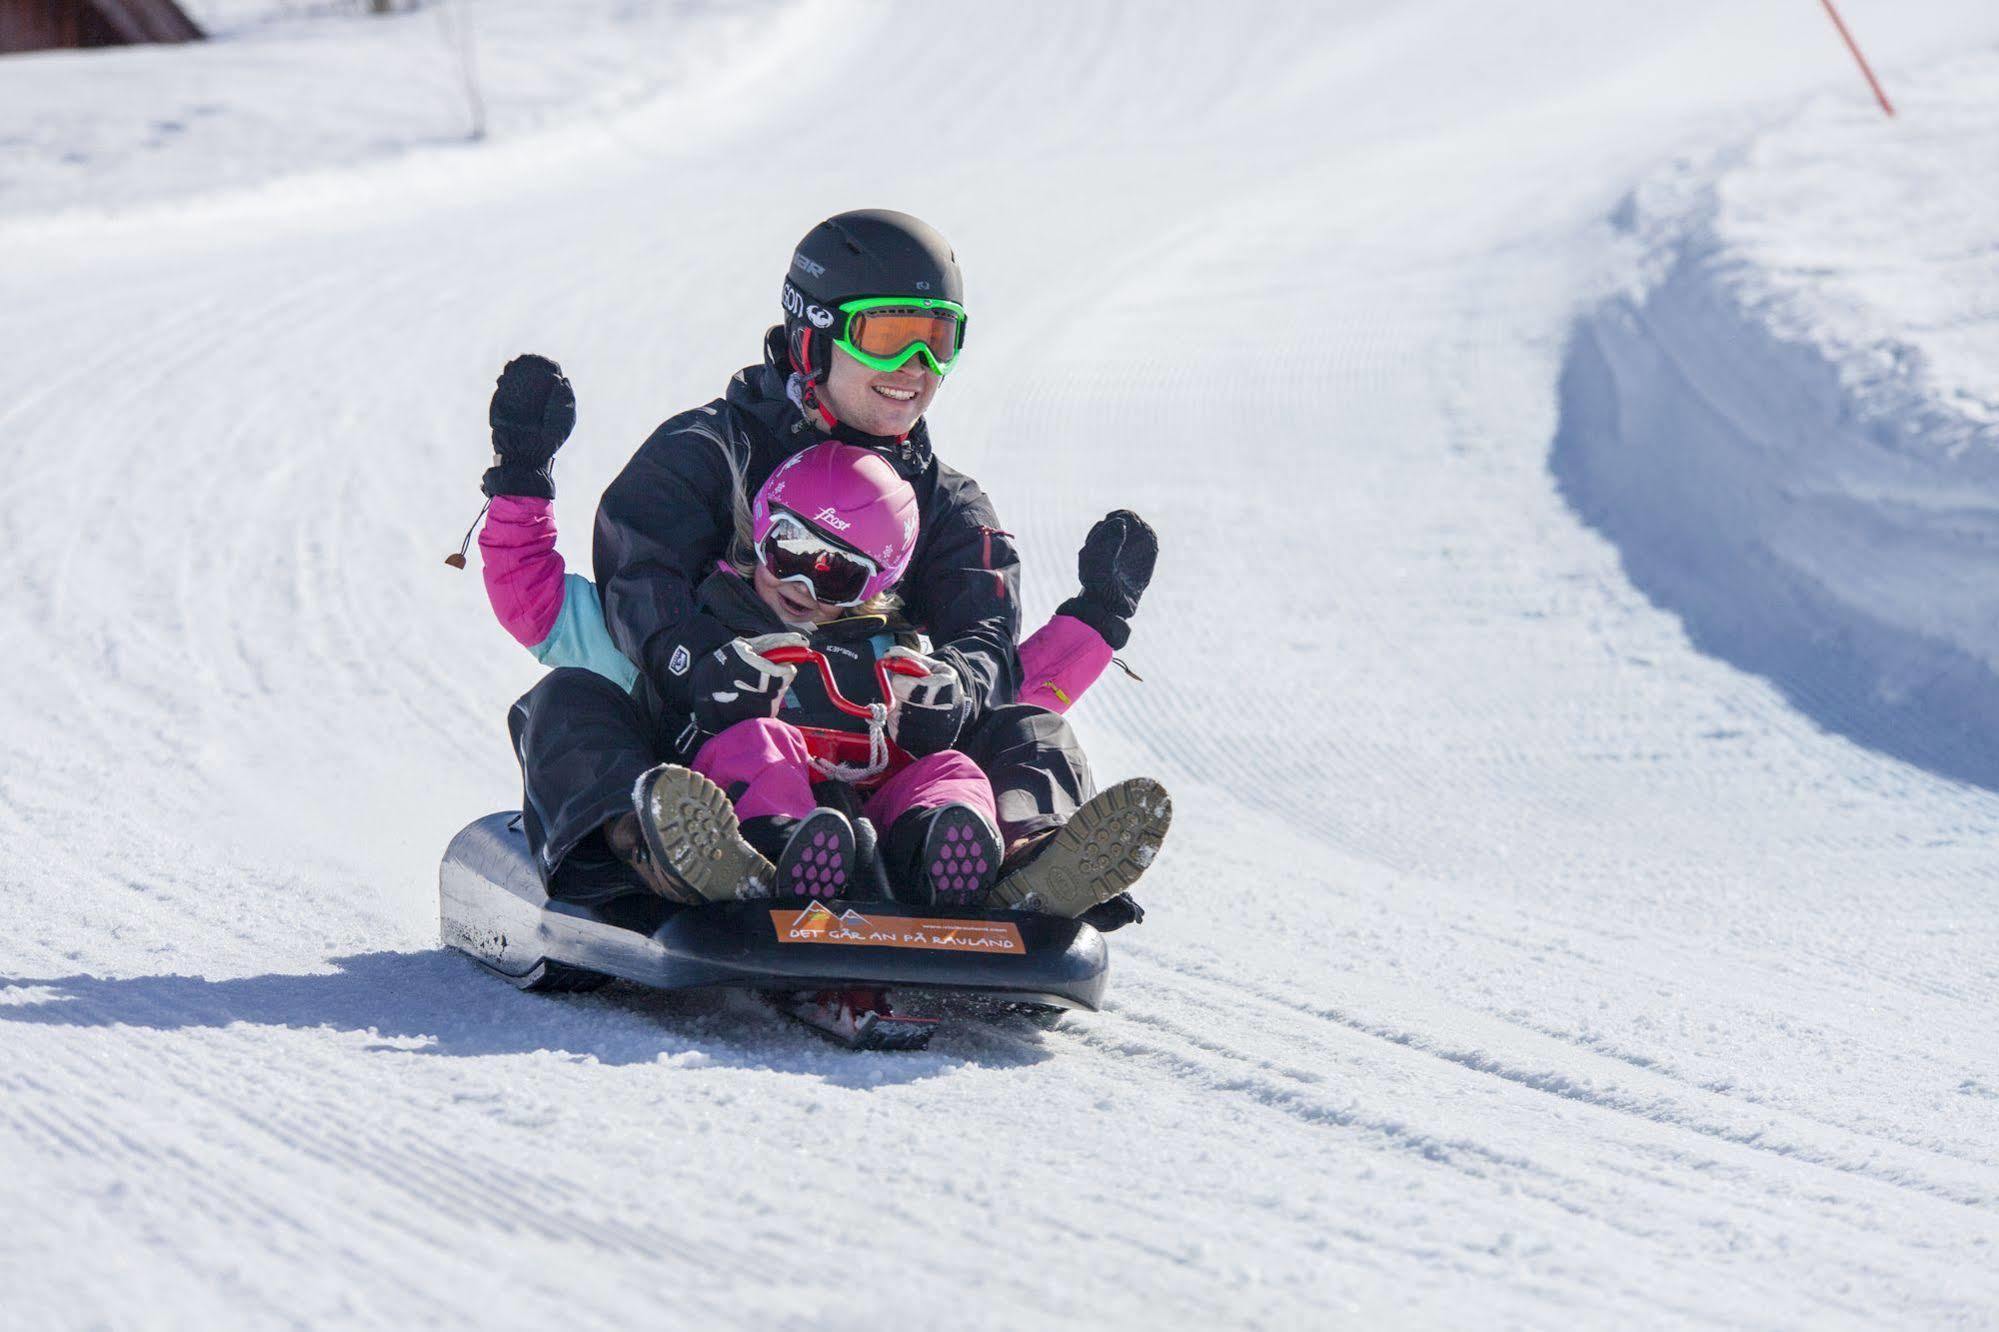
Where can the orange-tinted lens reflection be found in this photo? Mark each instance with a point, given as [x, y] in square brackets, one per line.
[886, 332]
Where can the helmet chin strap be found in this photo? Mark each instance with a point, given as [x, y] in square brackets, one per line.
[802, 387]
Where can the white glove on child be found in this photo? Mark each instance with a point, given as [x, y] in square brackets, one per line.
[929, 710]
[736, 682]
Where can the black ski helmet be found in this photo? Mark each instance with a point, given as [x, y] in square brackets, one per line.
[867, 252]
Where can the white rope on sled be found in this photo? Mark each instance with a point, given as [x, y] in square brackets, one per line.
[877, 751]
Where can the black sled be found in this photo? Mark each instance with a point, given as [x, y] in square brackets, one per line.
[809, 958]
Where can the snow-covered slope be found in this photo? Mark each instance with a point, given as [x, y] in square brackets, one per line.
[1513, 961]
[289, 93]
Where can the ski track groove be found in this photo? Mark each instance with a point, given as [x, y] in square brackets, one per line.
[1173, 1057]
[437, 1196]
[1485, 1167]
[1676, 975]
[235, 1206]
[1885, 1132]
[1657, 1110]
[1561, 1189]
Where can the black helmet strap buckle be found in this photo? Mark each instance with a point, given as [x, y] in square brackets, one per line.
[799, 339]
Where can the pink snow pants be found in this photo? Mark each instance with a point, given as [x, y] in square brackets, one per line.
[762, 764]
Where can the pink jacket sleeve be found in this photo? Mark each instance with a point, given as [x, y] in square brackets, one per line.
[523, 571]
[1059, 661]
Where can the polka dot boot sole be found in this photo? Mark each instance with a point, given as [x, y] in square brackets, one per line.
[819, 857]
[961, 857]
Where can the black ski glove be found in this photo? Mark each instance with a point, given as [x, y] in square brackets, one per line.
[930, 709]
[1115, 566]
[533, 411]
[1114, 914]
[735, 683]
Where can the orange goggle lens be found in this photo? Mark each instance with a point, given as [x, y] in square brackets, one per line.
[887, 333]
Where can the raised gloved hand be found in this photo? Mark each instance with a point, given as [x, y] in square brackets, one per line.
[736, 683]
[533, 411]
[1115, 566]
[929, 709]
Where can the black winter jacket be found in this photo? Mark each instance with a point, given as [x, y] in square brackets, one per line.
[669, 516]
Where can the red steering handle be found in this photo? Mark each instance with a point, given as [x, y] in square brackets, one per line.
[805, 656]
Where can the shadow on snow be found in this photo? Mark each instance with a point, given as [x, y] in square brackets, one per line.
[444, 1005]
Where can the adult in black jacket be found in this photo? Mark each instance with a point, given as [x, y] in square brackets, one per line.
[670, 515]
[859, 281]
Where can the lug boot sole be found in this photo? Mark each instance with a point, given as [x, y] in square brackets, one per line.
[691, 834]
[1096, 855]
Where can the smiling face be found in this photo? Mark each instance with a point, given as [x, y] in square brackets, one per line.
[878, 403]
[793, 603]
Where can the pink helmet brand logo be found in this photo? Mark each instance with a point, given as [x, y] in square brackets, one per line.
[832, 519]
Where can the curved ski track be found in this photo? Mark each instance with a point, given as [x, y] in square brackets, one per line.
[1511, 962]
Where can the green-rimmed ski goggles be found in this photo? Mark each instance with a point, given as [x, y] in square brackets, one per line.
[883, 332]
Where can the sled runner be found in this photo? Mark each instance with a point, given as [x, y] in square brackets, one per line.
[826, 963]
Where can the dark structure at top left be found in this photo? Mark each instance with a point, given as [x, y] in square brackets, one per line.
[43, 25]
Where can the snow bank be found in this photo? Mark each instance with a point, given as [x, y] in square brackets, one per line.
[1790, 424]
[282, 89]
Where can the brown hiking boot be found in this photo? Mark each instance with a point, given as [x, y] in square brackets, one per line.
[1101, 851]
[628, 844]
[693, 848]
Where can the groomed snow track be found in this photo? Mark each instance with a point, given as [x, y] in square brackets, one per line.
[1514, 962]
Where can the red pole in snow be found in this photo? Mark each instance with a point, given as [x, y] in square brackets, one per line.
[1858, 58]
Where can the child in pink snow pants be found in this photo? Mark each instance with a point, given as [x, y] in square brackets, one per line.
[828, 536]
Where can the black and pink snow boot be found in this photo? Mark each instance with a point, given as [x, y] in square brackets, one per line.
[814, 855]
[946, 856]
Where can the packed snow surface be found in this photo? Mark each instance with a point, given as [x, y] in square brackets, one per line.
[1527, 952]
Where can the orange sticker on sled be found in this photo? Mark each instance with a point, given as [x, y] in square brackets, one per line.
[817, 924]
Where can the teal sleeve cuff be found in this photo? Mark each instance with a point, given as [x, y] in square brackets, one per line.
[579, 637]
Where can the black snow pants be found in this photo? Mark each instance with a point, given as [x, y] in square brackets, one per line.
[583, 743]
[1039, 773]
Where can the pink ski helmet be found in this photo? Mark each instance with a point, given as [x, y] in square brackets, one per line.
[852, 497]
